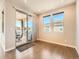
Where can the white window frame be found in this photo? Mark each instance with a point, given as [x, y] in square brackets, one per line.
[48, 23]
[60, 22]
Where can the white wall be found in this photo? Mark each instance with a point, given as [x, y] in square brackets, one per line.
[67, 37]
[10, 19]
[77, 25]
[2, 37]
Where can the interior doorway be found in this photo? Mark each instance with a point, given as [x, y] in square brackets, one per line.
[24, 27]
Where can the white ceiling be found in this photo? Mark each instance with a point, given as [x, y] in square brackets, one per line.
[41, 6]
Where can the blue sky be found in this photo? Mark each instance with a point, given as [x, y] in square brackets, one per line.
[46, 20]
[30, 23]
[55, 18]
[18, 23]
[58, 17]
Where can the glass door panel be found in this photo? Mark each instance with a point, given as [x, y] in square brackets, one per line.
[30, 28]
[20, 28]
[24, 29]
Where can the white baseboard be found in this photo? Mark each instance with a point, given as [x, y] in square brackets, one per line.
[77, 51]
[58, 43]
[7, 50]
[2, 47]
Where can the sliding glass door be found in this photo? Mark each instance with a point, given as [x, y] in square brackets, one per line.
[24, 27]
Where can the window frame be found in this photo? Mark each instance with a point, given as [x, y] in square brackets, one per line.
[62, 22]
[48, 23]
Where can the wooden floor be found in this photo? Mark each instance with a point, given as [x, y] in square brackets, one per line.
[43, 50]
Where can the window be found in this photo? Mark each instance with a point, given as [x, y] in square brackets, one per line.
[46, 22]
[58, 21]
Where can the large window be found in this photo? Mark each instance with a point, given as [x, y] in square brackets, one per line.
[46, 22]
[58, 21]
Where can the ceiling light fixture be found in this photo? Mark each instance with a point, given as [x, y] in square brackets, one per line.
[39, 10]
[25, 1]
